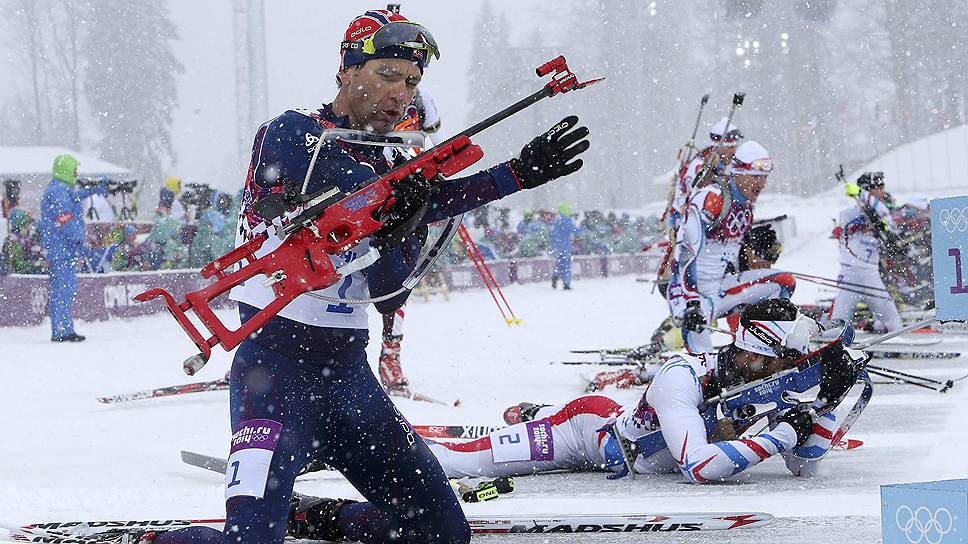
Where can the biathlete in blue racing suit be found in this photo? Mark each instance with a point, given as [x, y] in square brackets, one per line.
[301, 389]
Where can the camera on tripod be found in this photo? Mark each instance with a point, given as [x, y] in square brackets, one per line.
[198, 195]
[115, 187]
[90, 183]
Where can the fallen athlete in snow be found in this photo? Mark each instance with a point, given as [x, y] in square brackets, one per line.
[591, 432]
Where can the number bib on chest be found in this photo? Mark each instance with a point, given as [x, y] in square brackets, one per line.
[531, 441]
[253, 443]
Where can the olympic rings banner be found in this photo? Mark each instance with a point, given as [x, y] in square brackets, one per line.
[925, 513]
[949, 248]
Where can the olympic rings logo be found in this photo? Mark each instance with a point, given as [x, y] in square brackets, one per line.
[922, 525]
[954, 219]
[738, 222]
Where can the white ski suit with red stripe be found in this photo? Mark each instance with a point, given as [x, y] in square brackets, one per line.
[860, 259]
[569, 436]
[707, 260]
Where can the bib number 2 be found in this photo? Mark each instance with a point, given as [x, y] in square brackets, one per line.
[531, 441]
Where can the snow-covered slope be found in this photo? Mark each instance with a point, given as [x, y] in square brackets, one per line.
[66, 456]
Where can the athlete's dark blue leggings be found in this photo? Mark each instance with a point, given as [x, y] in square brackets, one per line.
[316, 383]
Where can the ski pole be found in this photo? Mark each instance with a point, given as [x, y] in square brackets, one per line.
[898, 379]
[486, 276]
[947, 383]
[838, 281]
[848, 289]
[707, 168]
[690, 146]
[710, 328]
[888, 336]
[470, 244]
[487, 269]
[904, 374]
[483, 277]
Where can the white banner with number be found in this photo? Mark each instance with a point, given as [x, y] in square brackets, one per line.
[949, 250]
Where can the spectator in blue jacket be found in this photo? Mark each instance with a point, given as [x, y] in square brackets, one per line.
[62, 237]
[562, 237]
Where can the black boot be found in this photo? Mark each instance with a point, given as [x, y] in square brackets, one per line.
[72, 337]
[315, 518]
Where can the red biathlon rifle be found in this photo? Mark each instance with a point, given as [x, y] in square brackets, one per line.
[331, 222]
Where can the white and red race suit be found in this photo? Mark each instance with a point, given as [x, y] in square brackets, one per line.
[706, 260]
[571, 436]
[860, 257]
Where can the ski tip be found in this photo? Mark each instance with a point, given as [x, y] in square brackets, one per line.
[750, 521]
[848, 444]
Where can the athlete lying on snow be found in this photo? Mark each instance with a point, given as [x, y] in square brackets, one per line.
[590, 433]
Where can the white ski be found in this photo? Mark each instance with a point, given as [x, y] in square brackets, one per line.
[92, 532]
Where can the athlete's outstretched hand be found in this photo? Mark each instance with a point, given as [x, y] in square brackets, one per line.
[547, 157]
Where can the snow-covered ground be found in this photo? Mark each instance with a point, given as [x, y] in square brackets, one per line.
[64, 455]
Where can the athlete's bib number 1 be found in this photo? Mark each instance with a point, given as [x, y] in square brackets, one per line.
[253, 444]
[343, 308]
[959, 286]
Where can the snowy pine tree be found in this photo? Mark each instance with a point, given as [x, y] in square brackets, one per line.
[130, 83]
[47, 39]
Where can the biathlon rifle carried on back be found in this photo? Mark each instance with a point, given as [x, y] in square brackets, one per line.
[331, 222]
[889, 240]
[710, 168]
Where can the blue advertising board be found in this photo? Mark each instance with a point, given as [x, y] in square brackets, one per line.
[949, 250]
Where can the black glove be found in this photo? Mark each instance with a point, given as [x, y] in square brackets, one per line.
[403, 217]
[546, 157]
[801, 421]
[838, 373]
[693, 318]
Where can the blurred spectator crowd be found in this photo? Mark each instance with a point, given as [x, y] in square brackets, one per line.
[195, 224]
[191, 227]
[500, 235]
